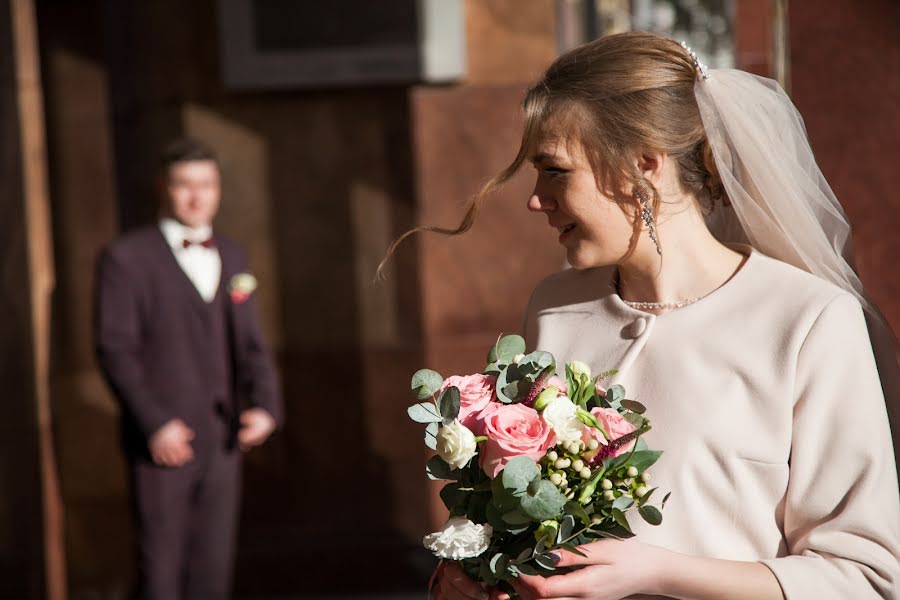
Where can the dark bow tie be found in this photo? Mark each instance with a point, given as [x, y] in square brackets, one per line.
[207, 243]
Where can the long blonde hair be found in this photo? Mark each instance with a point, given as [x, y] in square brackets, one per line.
[627, 95]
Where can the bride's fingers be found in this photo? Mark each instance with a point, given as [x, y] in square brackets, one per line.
[558, 587]
[596, 553]
[456, 585]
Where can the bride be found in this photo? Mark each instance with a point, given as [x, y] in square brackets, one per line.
[711, 267]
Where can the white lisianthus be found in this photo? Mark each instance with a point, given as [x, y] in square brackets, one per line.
[459, 538]
[456, 444]
[561, 415]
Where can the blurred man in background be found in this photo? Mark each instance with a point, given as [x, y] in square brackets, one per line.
[179, 342]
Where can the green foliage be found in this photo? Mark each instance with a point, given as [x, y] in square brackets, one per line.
[506, 348]
[544, 502]
[431, 435]
[437, 468]
[651, 514]
[518, 473]
[448, 404]
[454, 496]
[634, 406]
[426, 383]
[424, 412]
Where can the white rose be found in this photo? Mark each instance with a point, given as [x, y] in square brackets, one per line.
[561, 415]
[459, 538]
[456, 444]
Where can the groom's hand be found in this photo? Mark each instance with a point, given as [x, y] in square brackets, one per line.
[170, 445]
[256, 427]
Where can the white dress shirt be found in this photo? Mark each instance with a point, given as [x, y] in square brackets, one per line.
[203, 266]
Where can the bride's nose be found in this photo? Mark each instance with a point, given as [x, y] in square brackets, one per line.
[540, 203]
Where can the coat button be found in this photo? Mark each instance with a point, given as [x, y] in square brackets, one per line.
[636, 328]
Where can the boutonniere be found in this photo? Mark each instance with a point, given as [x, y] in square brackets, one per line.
[241, 286]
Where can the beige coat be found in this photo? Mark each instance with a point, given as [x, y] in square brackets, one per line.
[766, 400]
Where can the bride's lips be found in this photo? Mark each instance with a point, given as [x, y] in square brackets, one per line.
[565, 231]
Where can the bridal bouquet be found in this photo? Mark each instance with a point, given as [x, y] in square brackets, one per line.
[533, 462]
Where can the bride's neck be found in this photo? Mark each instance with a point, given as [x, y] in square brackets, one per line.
[693, 263]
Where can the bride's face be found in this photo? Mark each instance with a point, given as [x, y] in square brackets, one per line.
[592, 227]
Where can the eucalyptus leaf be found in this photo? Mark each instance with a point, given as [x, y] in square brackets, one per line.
[622, 503]
[577, 510]
[498, 565]
[431, 435]
[540, 359]
[501, 497]
[437, 468]
[621, 519]
[524, 555]
[573, 548]
[515, 517]
[527, 569]
[615, 394]
[545, 562]
[512, 391]
[646, 497]
[507, 348]
[547, 503]
[426, 383]
[644, 459]
[566, 527]
[492, 369]
[424, 412]
[518, 473]
[665, 498]
[634, 418]
[634, 406]
[448, 403]
[651, 514]
[453, 496]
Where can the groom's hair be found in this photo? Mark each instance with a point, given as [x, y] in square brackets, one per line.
[185, 150]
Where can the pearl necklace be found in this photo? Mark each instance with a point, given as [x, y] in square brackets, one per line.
[655, 305]
[661, 305]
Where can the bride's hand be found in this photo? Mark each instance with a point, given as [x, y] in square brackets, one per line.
[454, 584]
[613, 569]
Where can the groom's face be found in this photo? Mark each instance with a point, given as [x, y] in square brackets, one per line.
[191, 191]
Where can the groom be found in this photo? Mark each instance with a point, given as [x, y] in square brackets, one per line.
[179, 342]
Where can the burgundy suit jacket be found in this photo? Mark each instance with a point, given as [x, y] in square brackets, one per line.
[150, 336]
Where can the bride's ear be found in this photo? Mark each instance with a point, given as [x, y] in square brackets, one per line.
[651, 167]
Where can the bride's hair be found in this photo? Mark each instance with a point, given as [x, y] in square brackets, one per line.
[621, 97]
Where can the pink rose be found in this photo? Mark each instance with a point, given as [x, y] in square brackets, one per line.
[512, 430]
[559, 384]
[614, 424]
[475, 393]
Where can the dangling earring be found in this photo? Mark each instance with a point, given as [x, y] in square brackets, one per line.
[643, 199]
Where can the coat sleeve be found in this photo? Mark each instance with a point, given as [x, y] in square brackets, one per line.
[842, 507]
[257, 377]
[118, 343]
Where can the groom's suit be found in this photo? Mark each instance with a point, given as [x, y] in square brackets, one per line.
[168, 353]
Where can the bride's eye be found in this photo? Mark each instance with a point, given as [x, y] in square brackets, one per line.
[555, 171]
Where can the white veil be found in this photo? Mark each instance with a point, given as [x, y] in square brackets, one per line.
[780, 201]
